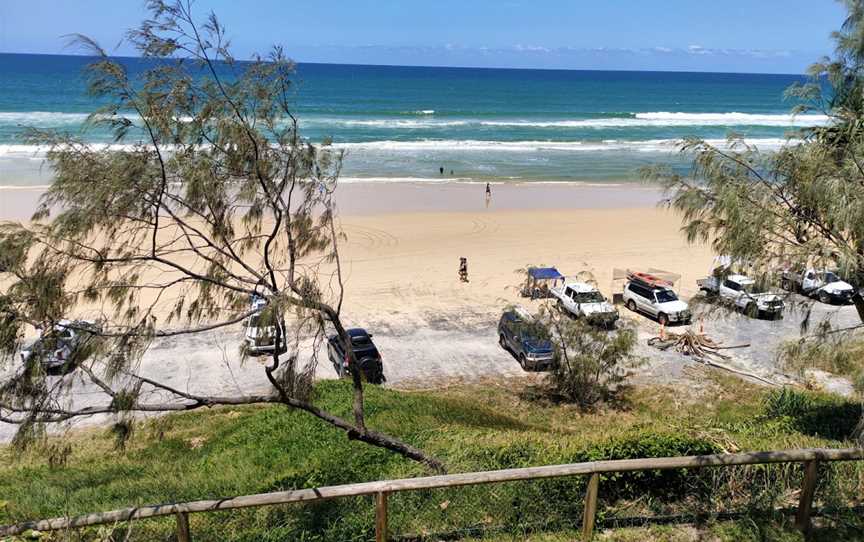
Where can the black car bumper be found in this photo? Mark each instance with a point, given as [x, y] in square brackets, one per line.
[839, 298]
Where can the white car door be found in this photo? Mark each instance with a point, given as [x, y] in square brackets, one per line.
[810, 281]
[643, 301]
[730, 291]
[570, 301]
[651, 303]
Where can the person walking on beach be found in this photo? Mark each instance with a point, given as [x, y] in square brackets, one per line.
[488, 190]
[463, 269]
[441, 170]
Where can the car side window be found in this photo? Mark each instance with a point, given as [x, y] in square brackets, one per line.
[731, 285]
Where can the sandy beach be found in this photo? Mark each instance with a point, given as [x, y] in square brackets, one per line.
[401, 261]
[404, 240]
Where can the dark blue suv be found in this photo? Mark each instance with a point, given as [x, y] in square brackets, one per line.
[365, 353]
[527, 340]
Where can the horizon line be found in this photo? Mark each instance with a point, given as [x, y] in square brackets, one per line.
[298, 62]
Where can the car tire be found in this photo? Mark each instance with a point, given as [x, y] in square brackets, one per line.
[786, 284]
[631, 305]
[824, 297]
[523, 361]
[503, 342]
[752, 310]
[662, 319]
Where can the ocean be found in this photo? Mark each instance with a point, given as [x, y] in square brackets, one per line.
[401, 123]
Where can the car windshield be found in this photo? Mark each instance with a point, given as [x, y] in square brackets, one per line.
[830, 277]
[589, 297]
[361, 341]
[753, 288]
[665, 296]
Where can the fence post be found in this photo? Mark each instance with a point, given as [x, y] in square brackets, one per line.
[381, 516]
[590, 507]
[183, 534]
[802, 519]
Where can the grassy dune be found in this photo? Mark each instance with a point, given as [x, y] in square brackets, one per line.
[226, 452]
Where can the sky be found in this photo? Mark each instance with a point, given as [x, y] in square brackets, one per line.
[762, 36]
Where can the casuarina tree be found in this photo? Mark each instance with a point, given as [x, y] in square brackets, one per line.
[209, 208]
[802, 206]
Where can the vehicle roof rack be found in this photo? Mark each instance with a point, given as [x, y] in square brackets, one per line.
[648, 279]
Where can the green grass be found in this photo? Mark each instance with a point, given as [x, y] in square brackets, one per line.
[840, 355]
[225, 452]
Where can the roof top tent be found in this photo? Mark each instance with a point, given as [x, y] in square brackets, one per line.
[539, 281]
[652, 277]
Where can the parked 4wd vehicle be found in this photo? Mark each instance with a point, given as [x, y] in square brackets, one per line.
[654, 297]
[820, 284]
[528, 340]
[260, 333]
[583, 300]
[743, 293]
[365, 353]
[60, 349]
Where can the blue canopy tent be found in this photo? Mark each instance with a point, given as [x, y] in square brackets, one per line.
[539, 281]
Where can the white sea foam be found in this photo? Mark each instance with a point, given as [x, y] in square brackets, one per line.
[654, 145]
[660, 120]
[41, 118]
[380, 179]
[469, 145]
[405, 124]
[637, 120]
[428, 121]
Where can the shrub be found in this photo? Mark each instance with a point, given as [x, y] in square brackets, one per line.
[814, 414]
[838, 354]
[592, 362]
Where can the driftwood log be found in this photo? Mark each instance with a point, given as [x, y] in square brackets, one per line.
[702, 348]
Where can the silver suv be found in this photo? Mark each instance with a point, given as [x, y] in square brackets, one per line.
[657, 301]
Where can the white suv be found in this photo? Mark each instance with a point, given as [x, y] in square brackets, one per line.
[656, 301]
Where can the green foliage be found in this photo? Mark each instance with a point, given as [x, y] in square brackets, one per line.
[592, 363]
[211, 198]
[826, 416]
[223, 452]
[840, 355]
[800, 206]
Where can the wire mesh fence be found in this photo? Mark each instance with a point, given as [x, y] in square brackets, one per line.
[518, 509]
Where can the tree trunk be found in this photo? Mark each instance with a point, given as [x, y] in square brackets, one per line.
[858, 300]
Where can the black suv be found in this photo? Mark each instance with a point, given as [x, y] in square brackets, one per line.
[527, 340]
[364, 352]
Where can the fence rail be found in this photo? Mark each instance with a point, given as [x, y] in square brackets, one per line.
[381, 489]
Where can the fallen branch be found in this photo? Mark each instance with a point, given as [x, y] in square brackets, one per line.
[703, 349]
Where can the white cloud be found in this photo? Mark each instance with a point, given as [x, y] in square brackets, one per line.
[531, 48]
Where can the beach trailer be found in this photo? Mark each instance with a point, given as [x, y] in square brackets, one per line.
[540, 281]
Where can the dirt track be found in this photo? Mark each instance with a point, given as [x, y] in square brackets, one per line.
[441, 348]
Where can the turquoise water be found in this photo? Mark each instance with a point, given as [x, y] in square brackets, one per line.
[401, 123]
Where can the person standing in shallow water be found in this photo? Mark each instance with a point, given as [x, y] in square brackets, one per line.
[488, 194]
[441, 170]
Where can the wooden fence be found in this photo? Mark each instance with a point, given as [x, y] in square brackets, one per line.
[381, 489]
